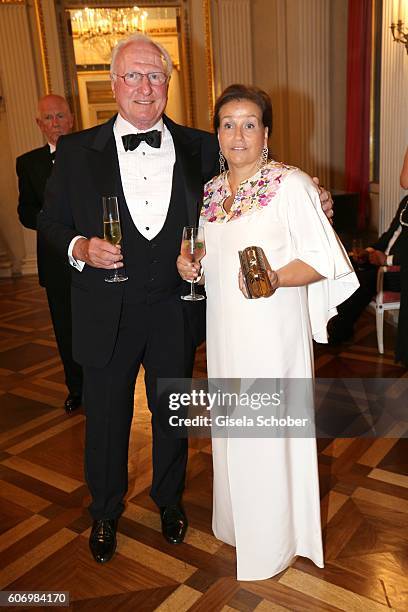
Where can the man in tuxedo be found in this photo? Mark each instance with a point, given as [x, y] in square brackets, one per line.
[158, 178]
[386, 251]
[54, 119]
[157, 170]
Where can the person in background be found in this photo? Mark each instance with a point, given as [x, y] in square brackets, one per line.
[401, 353]
[54, 119]
[386, 251]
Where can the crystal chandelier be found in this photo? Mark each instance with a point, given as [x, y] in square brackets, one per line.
[102, 28]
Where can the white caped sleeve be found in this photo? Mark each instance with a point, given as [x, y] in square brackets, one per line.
[316, 243]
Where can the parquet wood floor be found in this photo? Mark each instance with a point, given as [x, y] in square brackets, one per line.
[44, 524]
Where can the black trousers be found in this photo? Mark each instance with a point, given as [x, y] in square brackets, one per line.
[401, 352]
[59, 301]
[349, 311]
[158, 337]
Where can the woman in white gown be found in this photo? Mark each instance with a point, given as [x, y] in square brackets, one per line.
[266, 490]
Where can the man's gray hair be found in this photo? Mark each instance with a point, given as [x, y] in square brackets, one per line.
[168, 64]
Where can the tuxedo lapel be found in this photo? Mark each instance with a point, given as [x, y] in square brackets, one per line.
[42, 169]
[188, 164]
[45, 157]
[103, 161]
[104, 165]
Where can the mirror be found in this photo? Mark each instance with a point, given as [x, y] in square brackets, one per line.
[88, 35]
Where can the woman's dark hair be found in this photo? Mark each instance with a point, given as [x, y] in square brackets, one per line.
[244, 92]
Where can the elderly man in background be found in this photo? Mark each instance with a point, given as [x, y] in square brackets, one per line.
[157, 170]
[54, 119]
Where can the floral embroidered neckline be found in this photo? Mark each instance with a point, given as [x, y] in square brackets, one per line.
[254, 193]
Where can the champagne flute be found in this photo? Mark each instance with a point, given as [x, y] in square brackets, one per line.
[112, 231]
[193, 248]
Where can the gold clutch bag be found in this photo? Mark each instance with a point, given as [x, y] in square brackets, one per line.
[254, 270]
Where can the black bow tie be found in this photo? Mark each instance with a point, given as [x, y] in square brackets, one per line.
[132, 141]
[52, 155]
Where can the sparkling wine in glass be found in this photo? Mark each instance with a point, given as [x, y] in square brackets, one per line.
[112, 232]
[193, 248]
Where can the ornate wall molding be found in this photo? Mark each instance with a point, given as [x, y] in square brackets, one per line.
[233, 42]
[186, 71]
[17, 68]
[209, 57]
[5, 263]
[20, 90]
[292, 63]
[39, 16]
[308, 48]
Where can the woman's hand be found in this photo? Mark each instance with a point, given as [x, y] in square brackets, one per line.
[241, 284]
[188, 270]
[273, 277]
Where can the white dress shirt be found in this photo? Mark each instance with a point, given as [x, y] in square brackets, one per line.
[53, 148]
[147, 176]
[393, 240]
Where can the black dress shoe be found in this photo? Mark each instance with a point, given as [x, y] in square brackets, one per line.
[338, 332]
[72, 403]
[102, 541]
[335, 337]
[174, 523]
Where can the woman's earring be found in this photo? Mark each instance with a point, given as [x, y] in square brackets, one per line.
[264, 156]
[222, 162]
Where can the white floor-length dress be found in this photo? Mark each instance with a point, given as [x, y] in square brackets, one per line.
[266, 491]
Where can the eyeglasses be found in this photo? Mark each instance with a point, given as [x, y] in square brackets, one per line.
[132, 79]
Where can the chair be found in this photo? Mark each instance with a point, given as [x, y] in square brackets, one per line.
[384, 300]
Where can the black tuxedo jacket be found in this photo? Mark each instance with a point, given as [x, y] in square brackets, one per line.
[382, 242]
[401, 353]
[33, 170]
[86, 168]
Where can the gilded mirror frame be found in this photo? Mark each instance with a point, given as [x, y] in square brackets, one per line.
[68, 59]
